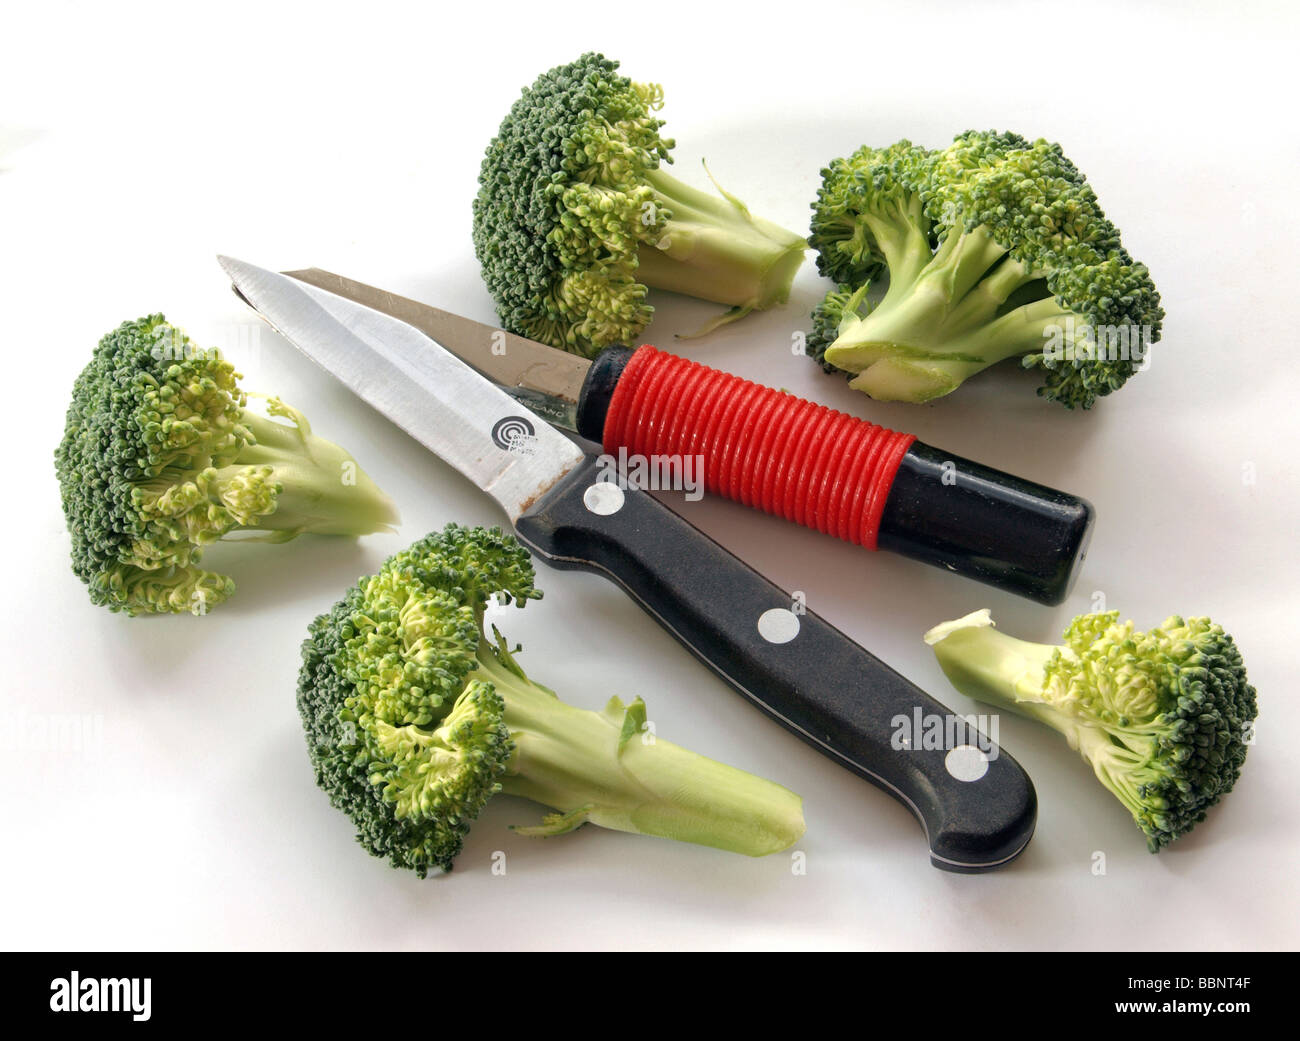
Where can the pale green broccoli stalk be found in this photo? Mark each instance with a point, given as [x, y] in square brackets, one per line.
[415, 718]
[995, 248]
[1164, 716]
[575, 218]
[160, 457]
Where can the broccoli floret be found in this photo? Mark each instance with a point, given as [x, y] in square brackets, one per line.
[160, 458]
[575, 218]
[1163, 716]
[868, 216]
[995, 247]
[841, 303]
[415, 718]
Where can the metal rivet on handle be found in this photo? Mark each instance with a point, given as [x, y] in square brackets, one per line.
[603, 498]
[966, 763]
[778, 625]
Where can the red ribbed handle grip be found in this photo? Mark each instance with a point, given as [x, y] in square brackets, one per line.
[807, 463]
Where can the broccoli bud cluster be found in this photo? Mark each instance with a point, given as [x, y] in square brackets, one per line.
[161, 457]
[994, 247]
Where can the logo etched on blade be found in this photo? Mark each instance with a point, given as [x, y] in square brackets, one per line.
[514, 434]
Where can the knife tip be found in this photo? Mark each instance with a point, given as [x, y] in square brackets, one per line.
[228, 264]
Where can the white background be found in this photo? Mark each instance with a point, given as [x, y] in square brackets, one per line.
[138, 142]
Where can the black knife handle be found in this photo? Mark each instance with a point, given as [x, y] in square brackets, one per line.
[985, 524]
[818, 683]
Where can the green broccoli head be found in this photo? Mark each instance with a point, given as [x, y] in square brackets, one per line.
[160, 458]
[995, 247]
[575, 218]
[867, 211]
[414, 820]
[1164, 716]
[403, 738]
[415, 718]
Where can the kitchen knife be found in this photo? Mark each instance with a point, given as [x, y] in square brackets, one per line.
[975, 802]
[772, 450]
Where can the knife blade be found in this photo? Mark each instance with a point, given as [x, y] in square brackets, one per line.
[431, 394]
[976, 804]
[548, 381]
[776, 452]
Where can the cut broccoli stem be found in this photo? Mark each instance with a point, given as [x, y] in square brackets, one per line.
[416, 717]
[1011, 223]
[1161, 716]
[713, 248]
[322, 489]
[161, 458]
[932, 332]
[986, 664]
[606, 769]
